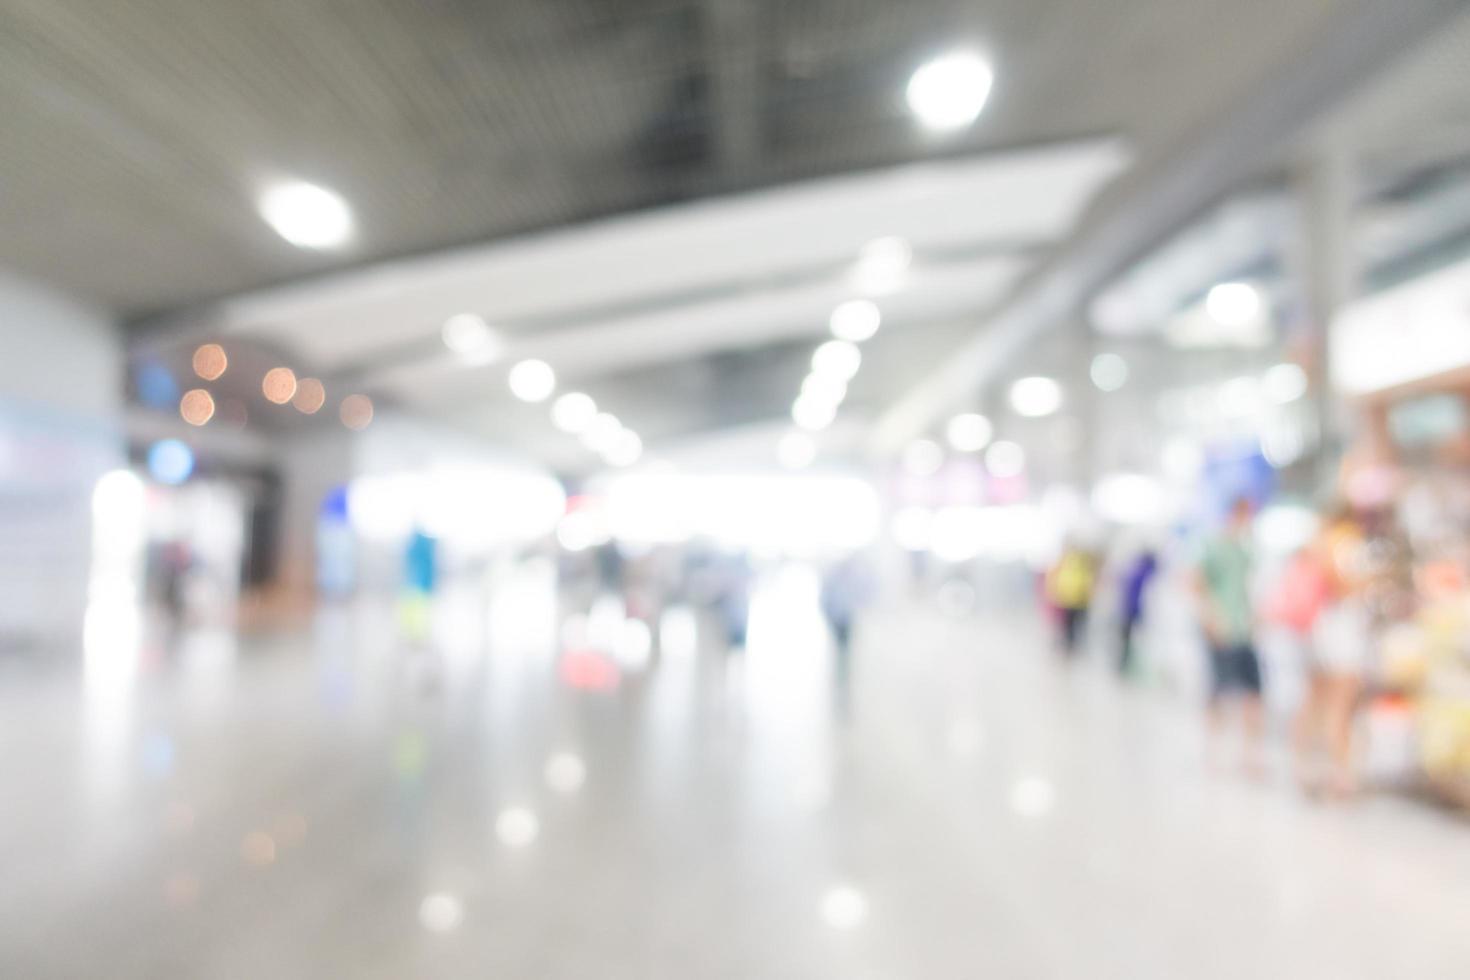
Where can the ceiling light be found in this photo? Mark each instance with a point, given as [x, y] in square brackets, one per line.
[602, 432]
[1109, 372]
[1285, 383]
[824, 388]
[1233, 304]
[1005, 459]
[812, 414]
[968, 433]
[882, 265]
[532, 381]
[573, 412]
[923, 458]
[856, 320]
[306, 215]
[1036, 397]
[949, 92]
[468, 334]
[796, 450]
[625, 449]
[837, 358]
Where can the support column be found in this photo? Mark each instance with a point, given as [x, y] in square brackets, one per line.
[1325, 268]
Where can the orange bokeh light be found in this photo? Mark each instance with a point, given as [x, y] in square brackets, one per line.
[279, 385]
[356, 411]
[210, 361]
[311, 395]
[197, 406]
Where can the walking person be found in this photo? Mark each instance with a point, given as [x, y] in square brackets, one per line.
[1227, 617]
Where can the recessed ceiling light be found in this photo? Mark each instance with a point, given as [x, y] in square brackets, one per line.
[306, 215]
[949, 92]
[468, 334]
[573, 412]
[532, 381]
[1109, 372]
[856, 320]
[838, 359]
[625, 449]
[968, 433]
[602, 432]
[1036, 397]
[1005, 459]
[1233, 304]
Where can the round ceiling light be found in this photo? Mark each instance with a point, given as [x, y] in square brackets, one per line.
[573, 412]
[838, 359]
[1036, 397]
[1233, 304]
[968, 433]
[856, 320]
[306, 215]
[949, 92]
[532, 381]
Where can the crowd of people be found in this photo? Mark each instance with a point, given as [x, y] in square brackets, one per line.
[1325, 602]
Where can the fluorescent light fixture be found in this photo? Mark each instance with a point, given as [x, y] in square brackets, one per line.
[796, 450]
[1109, 372]
[306, 215]
[532, 381]
[949, 92]
[856, 320]
[1233, 304]
[837, 358]
[573, 412]
[968, 433]
[1036, 397]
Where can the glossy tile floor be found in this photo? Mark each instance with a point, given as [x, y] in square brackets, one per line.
[498, 802]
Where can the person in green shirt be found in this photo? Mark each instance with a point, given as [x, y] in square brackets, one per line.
[1227, 615]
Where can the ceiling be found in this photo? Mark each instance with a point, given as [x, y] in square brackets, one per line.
[662, 198]
[137, 135]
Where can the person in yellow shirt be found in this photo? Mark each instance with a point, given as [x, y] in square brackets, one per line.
[1069, 587]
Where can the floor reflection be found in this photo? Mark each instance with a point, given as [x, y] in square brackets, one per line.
[549, 784]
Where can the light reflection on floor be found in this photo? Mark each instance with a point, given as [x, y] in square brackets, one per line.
[345, 801]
